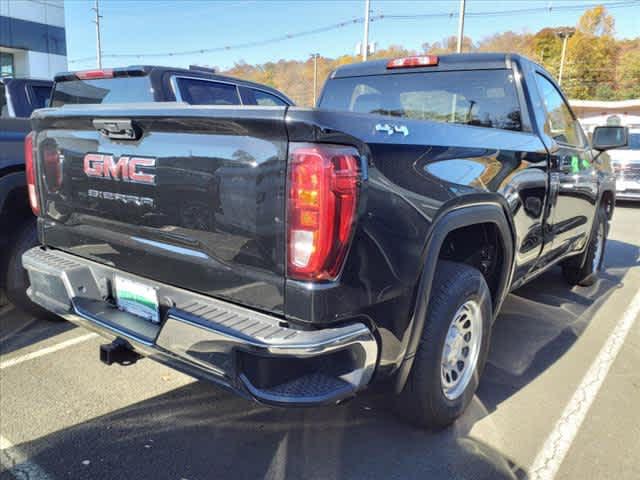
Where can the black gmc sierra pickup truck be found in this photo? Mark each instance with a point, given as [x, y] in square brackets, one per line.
[298, 255]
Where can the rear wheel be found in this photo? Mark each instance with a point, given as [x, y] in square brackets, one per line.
[17, 282]
[583, 269]
[453, 348]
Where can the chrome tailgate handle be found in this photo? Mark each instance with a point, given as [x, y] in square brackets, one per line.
[124, 129]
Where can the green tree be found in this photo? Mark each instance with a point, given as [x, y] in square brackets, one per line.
[546, 48]
[628, 73]
[510, 42]
[591, 53]
[449, 45]
[597, 66]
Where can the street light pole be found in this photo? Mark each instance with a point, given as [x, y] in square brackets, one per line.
[315, 77]
[564, 35]
[461, 25]
[98, 46]
[365, 38]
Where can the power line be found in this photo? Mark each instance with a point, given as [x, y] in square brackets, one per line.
[355, 21]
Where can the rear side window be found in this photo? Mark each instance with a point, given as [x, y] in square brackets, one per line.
[104, 90]
[267, 100]
[484, 98]
[39, 96]
[205, 92]
[252, 96]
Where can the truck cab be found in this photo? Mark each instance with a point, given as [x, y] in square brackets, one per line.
[148, 83]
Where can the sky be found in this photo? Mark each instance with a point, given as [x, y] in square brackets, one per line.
[144, 27]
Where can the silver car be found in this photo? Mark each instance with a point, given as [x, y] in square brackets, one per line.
[626, 165]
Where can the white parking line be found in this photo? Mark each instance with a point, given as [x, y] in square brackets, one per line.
[47, 350]
[557, 445]
[17, 464]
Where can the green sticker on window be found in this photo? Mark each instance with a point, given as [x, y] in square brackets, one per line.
[575, 164]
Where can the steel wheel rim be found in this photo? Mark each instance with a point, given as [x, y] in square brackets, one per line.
[461, 350]
[597, 256]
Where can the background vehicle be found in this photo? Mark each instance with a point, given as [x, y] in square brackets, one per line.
[295, 255]
[141, 84]
[18, 98]
[626, 164]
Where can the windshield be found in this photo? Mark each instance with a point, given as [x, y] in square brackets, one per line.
[104, 90]
[484, 98]
[634, 141]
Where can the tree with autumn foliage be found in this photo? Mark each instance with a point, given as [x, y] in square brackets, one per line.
[591, 56]
[597, 66]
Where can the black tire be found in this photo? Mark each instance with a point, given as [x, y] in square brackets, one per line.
[423, 401]
[17, 282]
[583, 269]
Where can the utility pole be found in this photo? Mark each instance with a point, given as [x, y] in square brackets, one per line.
[365, 38]
[564, 35]
[461, 25]
[98, 46]
[315, 77]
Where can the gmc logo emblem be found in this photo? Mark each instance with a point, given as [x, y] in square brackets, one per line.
[125, 169]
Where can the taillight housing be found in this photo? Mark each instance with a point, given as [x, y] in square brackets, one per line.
[323, 193]
[95, 74]
[30, 173]
[51, 167]
[412, 62]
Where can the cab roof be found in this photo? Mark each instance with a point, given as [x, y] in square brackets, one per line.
[457, 61]
[196, 72]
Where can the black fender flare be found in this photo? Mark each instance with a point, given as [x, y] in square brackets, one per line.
[604, 187]
[10, 182]
[455, 216]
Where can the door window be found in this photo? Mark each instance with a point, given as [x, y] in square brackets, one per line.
[560, 123]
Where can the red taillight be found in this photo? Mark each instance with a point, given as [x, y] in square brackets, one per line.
[93, 74]
[31, 173]
[408, 62]
[323, 192]
[52, 168]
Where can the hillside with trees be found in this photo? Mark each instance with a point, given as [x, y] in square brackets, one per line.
[597, 66]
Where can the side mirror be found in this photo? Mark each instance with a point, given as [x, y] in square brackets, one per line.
[609, 137]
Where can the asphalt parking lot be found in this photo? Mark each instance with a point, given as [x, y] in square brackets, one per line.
[546, 399]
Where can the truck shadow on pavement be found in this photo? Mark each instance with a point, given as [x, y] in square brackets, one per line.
[201, 432]
[539, 322]
[19, 330]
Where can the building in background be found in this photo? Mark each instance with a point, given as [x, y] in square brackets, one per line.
[592, 113]
[32, 38]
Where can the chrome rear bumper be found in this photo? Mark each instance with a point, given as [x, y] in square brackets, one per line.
[254, 354]
[628, 194]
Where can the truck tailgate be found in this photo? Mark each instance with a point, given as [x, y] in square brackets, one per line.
[197, 199]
